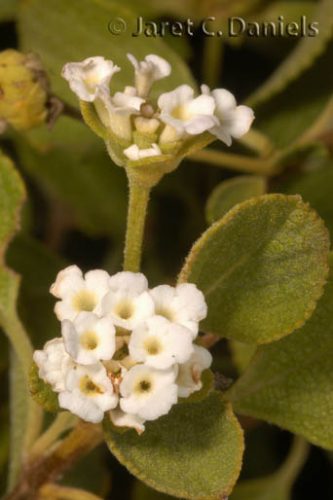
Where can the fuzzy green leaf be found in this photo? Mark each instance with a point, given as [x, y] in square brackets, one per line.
[24, 413]
[305, 53]
[316, 187]
[290, 383]
[231, 192]
[195, 452]
[42, 392]
[83, 25]
[262, 268]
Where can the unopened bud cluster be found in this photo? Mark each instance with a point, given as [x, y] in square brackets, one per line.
[125, 349]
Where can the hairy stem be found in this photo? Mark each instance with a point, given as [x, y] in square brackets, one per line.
[56, 492]
[62, 422]
[137, 211]
[47, 468]
[236, 162]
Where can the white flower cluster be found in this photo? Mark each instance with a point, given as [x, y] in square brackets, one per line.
[176, 116]
[125, 349]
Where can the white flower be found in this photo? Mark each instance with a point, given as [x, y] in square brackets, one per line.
[128, 302]
[133, 153]
[189, 376]
[78, 293]
[148, 393]
[160, 344]
[89, 338]
[184, 305]
[88, 77]
[186, 114]
[148, 71]
[89, 393]
[234, 121]
[53, 363]
[121, 419]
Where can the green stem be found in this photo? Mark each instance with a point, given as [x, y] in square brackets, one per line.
[212, 60]
[237, 162]
[62, 422]
[296, 459]
[137, 211]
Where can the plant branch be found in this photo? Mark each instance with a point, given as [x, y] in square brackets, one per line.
[240, 163]
[47, 468]
[56, 492]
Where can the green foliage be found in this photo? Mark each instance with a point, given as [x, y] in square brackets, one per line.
[26, 417]
[74, 167]
[8, 10]
[241, 354]
[262, 268]
[290, 382]
[287, 116]
[316, 187]
[305, 52]
[42, 392]
[231, 192]
[195, 452]
[83, 25]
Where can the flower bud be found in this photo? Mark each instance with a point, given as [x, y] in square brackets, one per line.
[23, 90]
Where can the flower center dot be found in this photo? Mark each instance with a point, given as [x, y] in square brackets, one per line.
[87, 386]
[89, 340]
[84, 301]
[124, 310]
[152, 346]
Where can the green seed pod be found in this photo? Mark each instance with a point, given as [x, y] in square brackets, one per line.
[23, 90]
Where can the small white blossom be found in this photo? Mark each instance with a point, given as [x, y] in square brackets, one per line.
[78, 293]
[88, 77]
[189, 376]
[160, 344]
[234, 121]
[89, 393]
[53, 363]
[148, 71]
[133, 152]
[148, 393]
[128, 302]
[89, 338]
[121, 419]
[186, 114]
[183, 304]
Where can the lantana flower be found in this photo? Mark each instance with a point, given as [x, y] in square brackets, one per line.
[126, 351]
[88, 77]
[88, 338]
[88, 393]
[189, 376]
[148, 393]
[185, 113]
[159, 343]
[233, 121]
[77, 292]
[148, 71]
[128, 302]
[184, 305]
[53, 363]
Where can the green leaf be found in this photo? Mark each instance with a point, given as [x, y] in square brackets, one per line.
[276, 486]
[231, 192]
[195, 452]
[303, 56]
[24, 413]
[142, 492]
[73, 165]
[83, 25]
[262, 268]
[290, 383]
[38, 267]
[316, 187]
[42, 392]
[241, 354]
[287, 116]
[8, 9]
